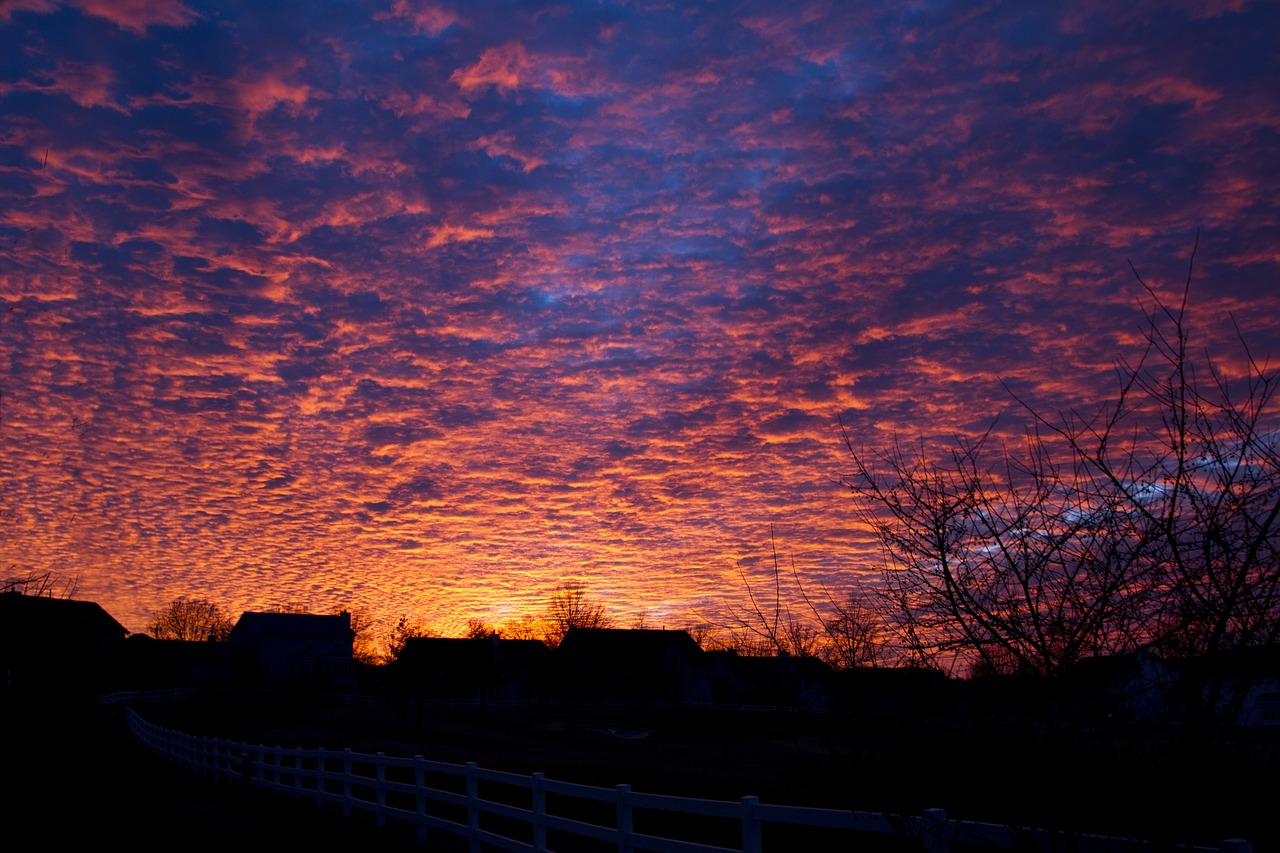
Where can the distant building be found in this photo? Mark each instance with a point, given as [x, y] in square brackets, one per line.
[479, 669]
[145, 663]
[1239, 686]
[631, 664]
[297, 649]
[1135, 687]
[56, 645]
[784, 681]
[893, 693]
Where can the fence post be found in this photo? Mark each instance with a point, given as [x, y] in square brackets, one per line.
[538, 812]
[473, 808]
[246, 765]
[297, 772]
[420, 791]
[934, 825]
[751, 842]
[320, 769]
[625, 827]
[346, 782]
[380, 773]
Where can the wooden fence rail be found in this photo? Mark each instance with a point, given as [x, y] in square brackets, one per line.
[509, 811]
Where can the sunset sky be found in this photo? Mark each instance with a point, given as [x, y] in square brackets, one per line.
[428, 307]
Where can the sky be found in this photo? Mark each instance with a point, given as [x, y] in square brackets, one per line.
[427, 308]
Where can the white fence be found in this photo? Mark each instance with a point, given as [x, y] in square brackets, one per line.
[508, 811]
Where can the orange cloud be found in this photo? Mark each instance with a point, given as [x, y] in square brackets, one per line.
[446, 234]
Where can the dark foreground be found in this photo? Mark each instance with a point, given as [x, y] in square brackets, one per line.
[75, 775]
[1120, 780]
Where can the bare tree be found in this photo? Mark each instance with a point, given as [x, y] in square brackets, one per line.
[364, 647]
[41, 585]
[190, 619]
[1203, 485]
[1008, 557]
[768, 625]
[570, 607]
[843, 633]
[404, 630]
[853, 629]
[705, 633]
[1151, 522]
[525, 628]
[478, 629]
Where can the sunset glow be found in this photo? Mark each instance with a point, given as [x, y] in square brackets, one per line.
[427, 308]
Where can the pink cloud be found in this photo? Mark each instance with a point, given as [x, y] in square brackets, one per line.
[505, 145]
[426, 18]
[137, 15]
[270, 91]
[87, 85]
[512, 66]
[499, 67]
[251, 95]
[40, 7]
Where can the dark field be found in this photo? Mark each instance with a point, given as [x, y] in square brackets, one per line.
[74, 778]
[1148, 783]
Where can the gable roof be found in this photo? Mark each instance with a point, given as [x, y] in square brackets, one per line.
[628, 643]
[455, 651]
[36, 621]
[251, 625]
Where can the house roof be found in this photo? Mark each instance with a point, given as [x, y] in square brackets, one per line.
[628, 643]
[445, 651]
[36, 620]
[251, 624]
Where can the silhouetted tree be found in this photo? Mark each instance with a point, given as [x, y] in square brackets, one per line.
[478, 629]
[190, 619]
[364, 646]
[843, 632]
[525, 628]
[705, 633]
[41, 585]
[853, 630]
[1151, 522]
[404, 630]
[571, 606]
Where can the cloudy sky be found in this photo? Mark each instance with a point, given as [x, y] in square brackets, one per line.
[428, 307]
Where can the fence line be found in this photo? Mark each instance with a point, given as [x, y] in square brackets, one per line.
[360, 700]
[438, 796]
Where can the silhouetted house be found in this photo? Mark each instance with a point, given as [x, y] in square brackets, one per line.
[473, 669]
[1135, 687]
[1238, 686]
[56, 645]
[145, 663]
[631, 664]
[297, 649]
[784, 681]
[892, 692]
